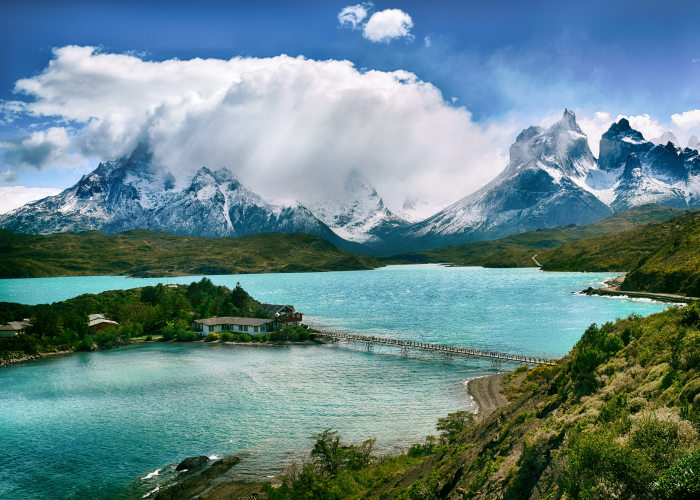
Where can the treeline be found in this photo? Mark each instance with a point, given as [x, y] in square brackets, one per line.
[619, 417]
[150, 310]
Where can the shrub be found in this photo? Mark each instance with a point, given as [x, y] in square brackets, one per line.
[227, 336]
[149, 338]
[244, 337]
[168, 332]
[680, 482]
[106, 337]
[182, 335]
[212, 337]
[453, 425]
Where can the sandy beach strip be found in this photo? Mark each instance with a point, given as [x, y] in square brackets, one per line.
[485, 391]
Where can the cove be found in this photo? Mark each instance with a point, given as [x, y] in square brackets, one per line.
[92, 425]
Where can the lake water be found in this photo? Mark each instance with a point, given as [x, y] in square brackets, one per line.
[92, 425]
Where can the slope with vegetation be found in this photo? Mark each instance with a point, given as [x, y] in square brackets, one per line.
[662, 257]
[143, 253]
[619, 417]
[517, 250]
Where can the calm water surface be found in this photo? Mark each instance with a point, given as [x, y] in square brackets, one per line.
[92, 425]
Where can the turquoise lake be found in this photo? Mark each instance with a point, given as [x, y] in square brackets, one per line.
[100, 424]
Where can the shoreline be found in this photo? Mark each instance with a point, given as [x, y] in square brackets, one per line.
[6, 363]
[486, 393]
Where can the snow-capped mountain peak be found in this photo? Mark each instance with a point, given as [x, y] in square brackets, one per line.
[358, 213]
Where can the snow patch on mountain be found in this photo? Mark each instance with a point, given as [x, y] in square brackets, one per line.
[358, 214]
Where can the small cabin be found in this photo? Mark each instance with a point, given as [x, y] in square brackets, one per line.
[98, 321]
[14, 328]
[250, 326]
[285, 314]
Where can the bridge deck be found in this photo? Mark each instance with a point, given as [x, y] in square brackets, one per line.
[450, 350]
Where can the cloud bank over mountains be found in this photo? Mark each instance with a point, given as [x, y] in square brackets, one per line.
[288, 126]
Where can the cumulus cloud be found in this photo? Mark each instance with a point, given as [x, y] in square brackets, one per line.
[12, 197]
[353, 15]
[288, 127]
[388, 24]
[41, 149]
[687, 119]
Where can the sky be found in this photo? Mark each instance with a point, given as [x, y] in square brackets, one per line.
[423, 98]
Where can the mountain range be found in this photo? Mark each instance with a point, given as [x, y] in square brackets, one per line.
[552, 179]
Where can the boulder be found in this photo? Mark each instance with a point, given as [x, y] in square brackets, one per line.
[192, 463]
[220, 466]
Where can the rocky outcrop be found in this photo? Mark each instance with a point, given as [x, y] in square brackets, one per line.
[195, 485]
[192, 463]
[635, 187]
[618, 143]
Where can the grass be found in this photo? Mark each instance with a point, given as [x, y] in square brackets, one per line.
[144, 253]
[661, 257]
[517, 250]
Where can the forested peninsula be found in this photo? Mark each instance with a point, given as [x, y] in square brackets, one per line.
[151, 313]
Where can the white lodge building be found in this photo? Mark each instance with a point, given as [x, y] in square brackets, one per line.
[251, 326]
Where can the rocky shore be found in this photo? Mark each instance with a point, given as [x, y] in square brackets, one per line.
[21, 357]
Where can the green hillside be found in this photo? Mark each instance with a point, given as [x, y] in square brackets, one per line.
[618, 417]
[517, 250]
[662, 257]
[146, 253]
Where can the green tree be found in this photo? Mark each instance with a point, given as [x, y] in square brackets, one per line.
[327, 454]
[454, 424]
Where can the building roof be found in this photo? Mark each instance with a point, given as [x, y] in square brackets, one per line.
[99, 321]
[15, 326]
[96, 316]
[230, 320]
[277, 309]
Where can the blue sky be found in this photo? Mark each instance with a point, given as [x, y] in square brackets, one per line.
[508, 63]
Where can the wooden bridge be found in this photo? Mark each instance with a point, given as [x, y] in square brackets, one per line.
[448, 352]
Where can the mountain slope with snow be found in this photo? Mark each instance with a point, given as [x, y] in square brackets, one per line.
[127, 194]
[536, 190]
[359, 213]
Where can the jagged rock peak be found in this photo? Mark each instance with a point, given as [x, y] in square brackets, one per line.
[631, 164]
[618, 142]
[569, 121]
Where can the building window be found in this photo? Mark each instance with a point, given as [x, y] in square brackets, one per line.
[240, 328]
[211, 328]
[245, 328]
[255, 329]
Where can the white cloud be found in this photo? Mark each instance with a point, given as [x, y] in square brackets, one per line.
[12, 197]
[41, 149]
[388, 24]
[353, 15]
[648, 126]
[288, 127]
[594, 127]
[687, 119]
[428, 43]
